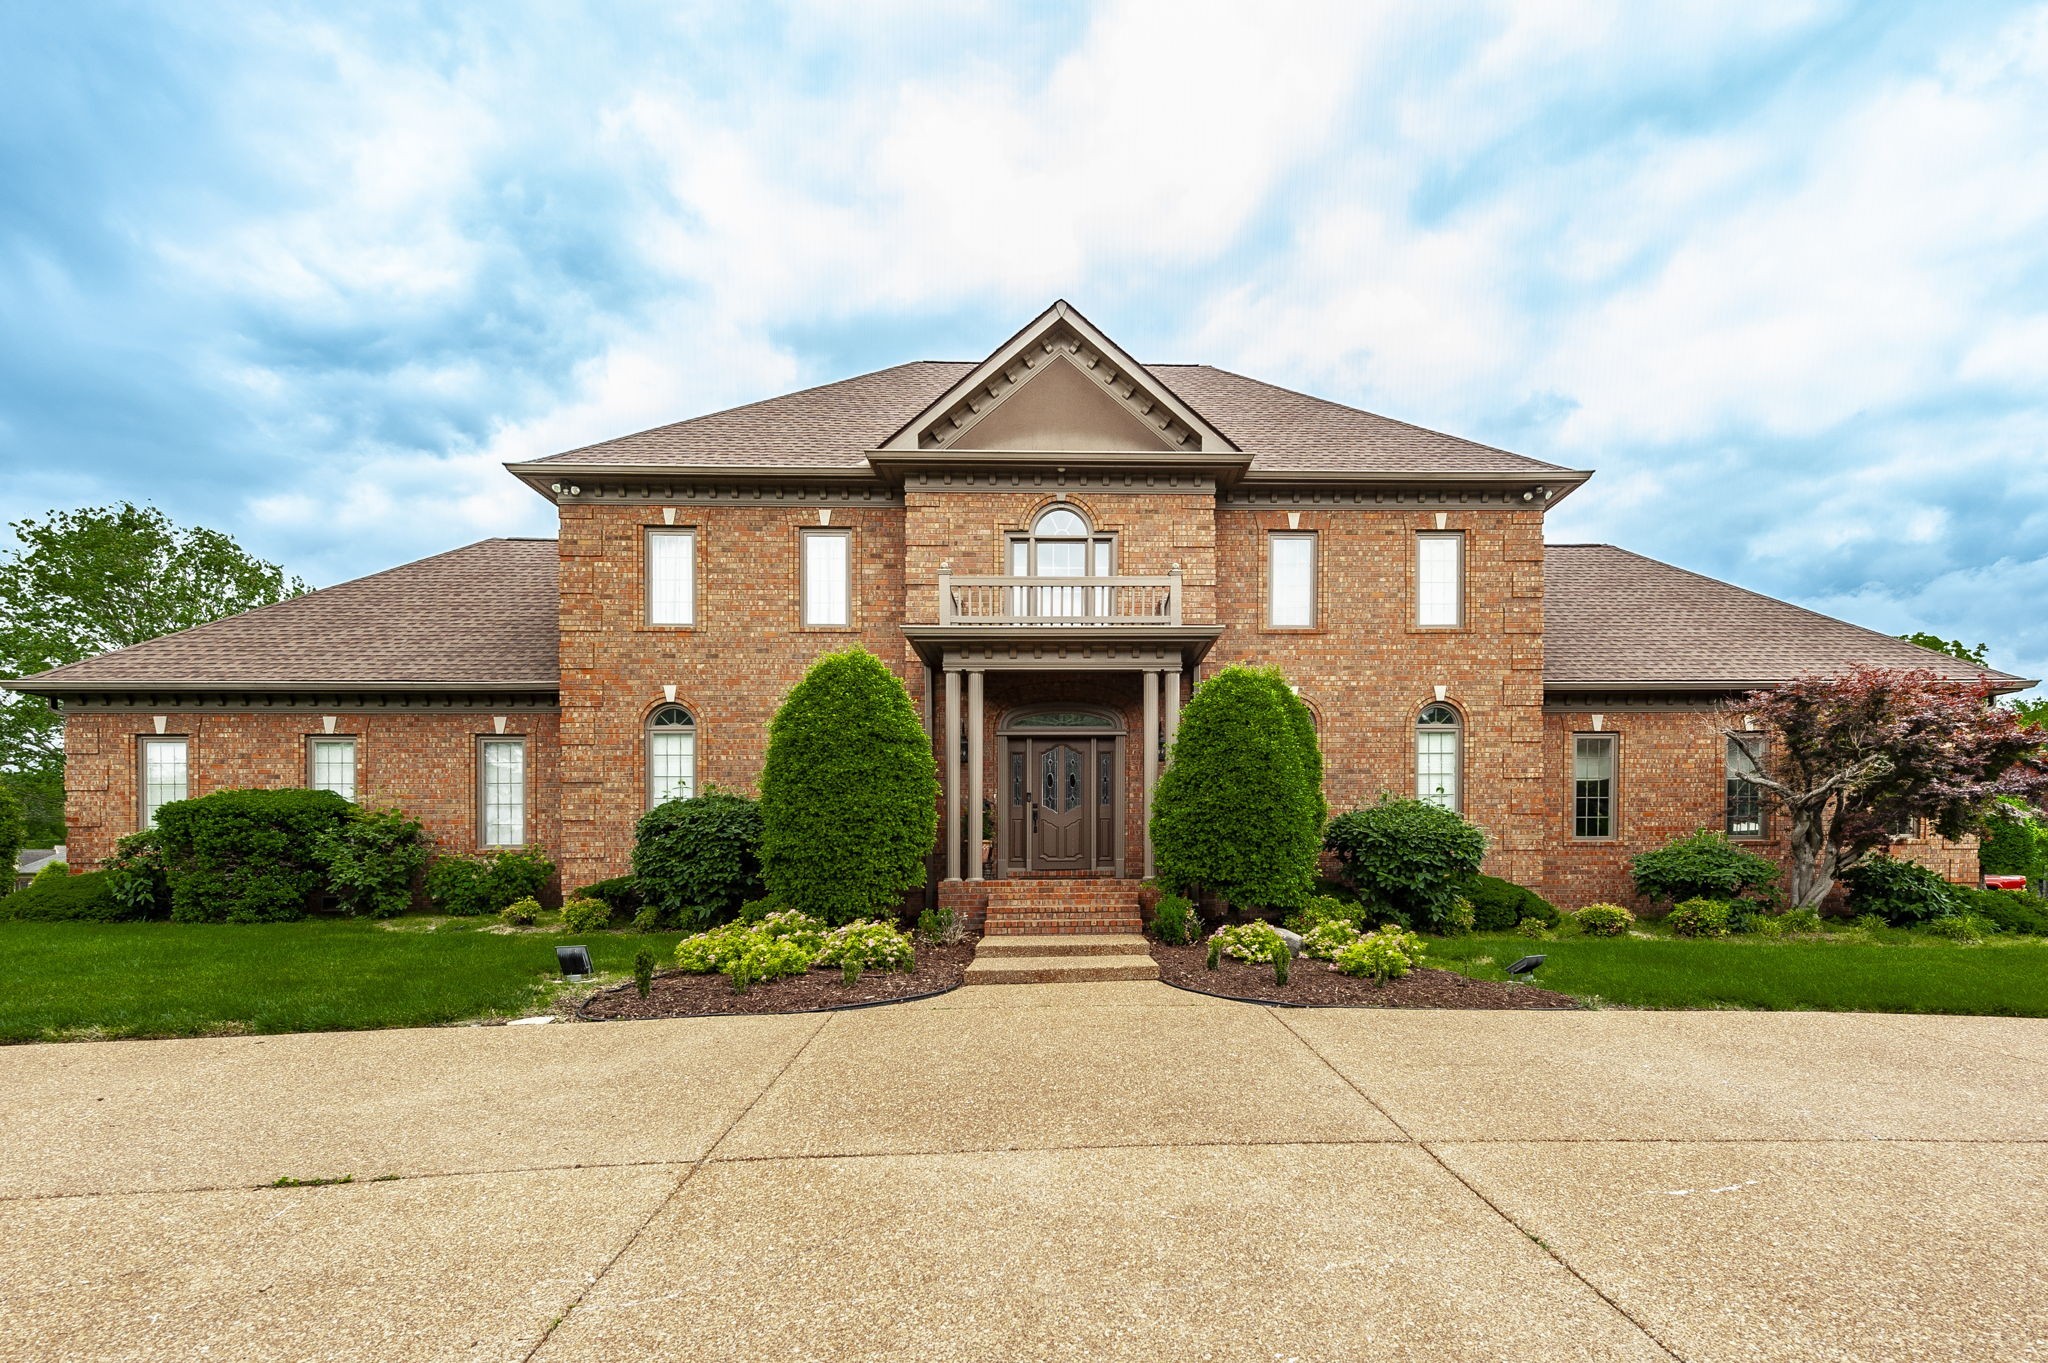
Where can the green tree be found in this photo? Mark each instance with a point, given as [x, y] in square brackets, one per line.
[80, 583]
[10, 837]
[1239, 811]
[1955, 648]
[849, 792]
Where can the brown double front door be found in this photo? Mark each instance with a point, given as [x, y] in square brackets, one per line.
[1062, 796]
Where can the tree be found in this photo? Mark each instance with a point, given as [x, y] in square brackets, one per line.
[10, 837]
[84, 582]
[1955, 648]
[1854, 755]
[2032, 713]
[849, 792]
[1239, 811]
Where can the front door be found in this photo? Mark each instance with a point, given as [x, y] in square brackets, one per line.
[1061, 839]
[1061, 804]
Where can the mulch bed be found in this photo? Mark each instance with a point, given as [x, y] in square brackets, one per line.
[1314, 984]
[677, 995]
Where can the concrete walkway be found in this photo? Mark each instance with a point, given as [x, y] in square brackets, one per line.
[1115, 1170]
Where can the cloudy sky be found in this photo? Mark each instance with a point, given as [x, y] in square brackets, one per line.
[1779, 272]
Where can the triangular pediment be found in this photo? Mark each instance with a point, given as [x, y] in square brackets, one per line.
[1060, 385]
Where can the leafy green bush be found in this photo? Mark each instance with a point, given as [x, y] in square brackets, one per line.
[849, 792]
[136, 875]
[706, 952]
[1540, 911]
[1239, 811]
[621, 894]
[1532, 927]
[520, 913]
[2013, 841]
[698, 860]
[487, 882]
[1254, 942]
[643, 964]
[1901, 892]
[247, 856]
[88, 898]
[12, 828]
[939, 926]
[56, 870]
[1958, 927]
[374, 860]
[586, 915]
[2007, 911]
[1174, 921]
[1381, 955]
[1324, 908]
[1414, 856]
[1460, 919]
[766, 958]
[1325, 940]
[1701, 918]
[1497, 905]
[1604, 920]
[1801, 920]
[864, 945]
[1703, 865]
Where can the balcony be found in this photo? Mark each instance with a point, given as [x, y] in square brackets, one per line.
[1058, 602]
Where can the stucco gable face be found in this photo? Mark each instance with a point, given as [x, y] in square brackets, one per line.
[1057, 407]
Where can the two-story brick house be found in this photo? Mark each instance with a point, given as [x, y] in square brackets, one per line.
[1051, 546]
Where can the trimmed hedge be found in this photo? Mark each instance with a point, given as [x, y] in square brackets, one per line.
[470, 886]
[1497, 905]
[621, 894]
[849, 793]
[84, 898]
[696, 861]
[1703, 865]
[1413, 856]
[1239, 811]
[2017, 913]
[247, 856]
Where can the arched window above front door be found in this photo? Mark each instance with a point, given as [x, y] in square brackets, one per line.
[671, 755]
[1062, 543]
[1439, 756]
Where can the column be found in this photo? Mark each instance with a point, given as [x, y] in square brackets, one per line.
[1151, 741]
[949, 762]
[1172, 678]
[974, 774]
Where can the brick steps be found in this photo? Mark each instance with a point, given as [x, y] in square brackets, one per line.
[1061, 907]
[1062, 944]
[1059, 969]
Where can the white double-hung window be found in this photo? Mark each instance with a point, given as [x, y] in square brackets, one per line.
[332, 765]
[164, 775]
[671, 577]
[1440, 580]
[827, 584]
[501, 792]
[671, 755]
[1291, 580]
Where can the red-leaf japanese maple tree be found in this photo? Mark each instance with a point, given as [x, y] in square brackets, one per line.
[1855, 754]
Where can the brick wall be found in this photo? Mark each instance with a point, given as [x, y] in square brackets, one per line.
[421, 761]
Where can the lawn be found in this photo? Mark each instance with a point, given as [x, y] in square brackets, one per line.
[1909, 975]
[63, 980]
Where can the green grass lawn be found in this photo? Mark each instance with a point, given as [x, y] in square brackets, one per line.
[60, 980]
[1904, 973]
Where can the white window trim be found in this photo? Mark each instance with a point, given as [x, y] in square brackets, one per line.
[1457, 734]
[688, 534]
[145, 811]
[804, 541]
[483, 807]
[1457, 540]
[1315, 568]
[696, 747]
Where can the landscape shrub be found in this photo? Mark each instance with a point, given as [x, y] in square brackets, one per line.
[1410, 855]
[136, 875]
[1324, 908]
[56, 870]
[1604, 920]
[1701, 918]
[12, 829]
[2005, 910]
[1460, 918]
[866, 945]
[2013, 841]
[1253, 942]
[1174, 921]
[374, 860]
[709, 951]
[1537, 909]
[86, 898]
[1532, 927]
[766, 958]
[469, 886]
[849, 792]
[939, 926]
[1903, 893]
[247, 856]
[1958, 927]
[520, 913]
[586, 915]
[1703, 865]
[1239, 812]
[620, 893]
[1497, 905]
[643, 967]
[1382, 955]
[698, 860]
[1758, 924]
[1325, 940]
[1801, 920]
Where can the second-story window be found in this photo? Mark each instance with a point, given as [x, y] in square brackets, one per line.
[1291, 580]
[671, 577]
[1440, 580]
[827, 578]
[1061, 543]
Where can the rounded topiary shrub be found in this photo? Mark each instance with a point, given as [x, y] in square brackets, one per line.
[247, 856]
[849, 793]
[1604, 920]
[1703, 865]
[1498, 905]
[1239, 810]
[1411, 855]
[696, 861]
[1701, 918]
[86, 898]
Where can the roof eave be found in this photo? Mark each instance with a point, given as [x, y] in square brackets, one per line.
[558, 482]
[1553, 484]
[2002, 684]
[34, 686]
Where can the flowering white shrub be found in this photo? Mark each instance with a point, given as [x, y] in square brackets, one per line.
[1325, 940]
[1255, 942]
[867, 945]
[1386, 954]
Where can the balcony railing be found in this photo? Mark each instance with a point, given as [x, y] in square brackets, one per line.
[1062, 602]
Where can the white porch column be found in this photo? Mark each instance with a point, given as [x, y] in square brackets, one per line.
[949, 762]
[974, 774]
[1151, 741]
[1172, 678]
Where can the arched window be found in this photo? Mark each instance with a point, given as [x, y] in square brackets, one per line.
[671, 755]
[1439, 756]
[1061, 543]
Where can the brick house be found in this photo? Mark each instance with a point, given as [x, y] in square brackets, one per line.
[1051, 547]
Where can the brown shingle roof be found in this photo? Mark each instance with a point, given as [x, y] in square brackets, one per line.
[484, 614]
[1611, 616]
[835, 425]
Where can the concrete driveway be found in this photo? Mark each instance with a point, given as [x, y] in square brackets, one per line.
[1071, 1172]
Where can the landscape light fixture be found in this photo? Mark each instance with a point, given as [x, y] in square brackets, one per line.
[1524, 968]
[575, 962]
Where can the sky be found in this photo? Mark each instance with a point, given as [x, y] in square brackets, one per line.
[1778, 273]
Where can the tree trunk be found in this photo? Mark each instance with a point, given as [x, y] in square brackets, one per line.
[1812, 857]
